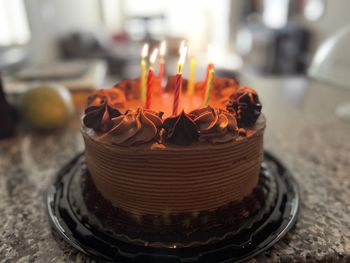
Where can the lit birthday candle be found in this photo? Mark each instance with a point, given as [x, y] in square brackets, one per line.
[162, 50]
[191, 80]
[182, 46]
[209, 87]
[143, 78]
[209, 67]
[178, 80]
[150, 76]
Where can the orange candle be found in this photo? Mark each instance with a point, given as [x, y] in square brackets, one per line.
[150, 79]
[162, 50]
[178, 81]
[209, 67]
[209, 87]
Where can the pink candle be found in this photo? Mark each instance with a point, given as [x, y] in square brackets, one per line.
[150, 79]
[149, 88]
[178, 82]
[162, 50]
[161, 74]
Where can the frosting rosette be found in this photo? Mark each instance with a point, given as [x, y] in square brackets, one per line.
[99, 117]
[245, 104]
[134, 127]
[180, 129]
[215, 125]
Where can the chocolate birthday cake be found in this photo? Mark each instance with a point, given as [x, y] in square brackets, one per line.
[158, 179]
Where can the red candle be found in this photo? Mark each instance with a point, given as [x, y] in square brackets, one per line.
[178, 80]
[149, 88]
[161, 65]
[161, 74]
[150, 79]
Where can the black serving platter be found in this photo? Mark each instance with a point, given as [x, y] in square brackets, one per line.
[96, 242]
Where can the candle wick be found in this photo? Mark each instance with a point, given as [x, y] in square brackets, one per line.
[179, 70]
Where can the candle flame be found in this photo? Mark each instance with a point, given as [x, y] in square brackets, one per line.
[144, 52]
[183, 53]
[153, 56]
[182, 45]
[210, 53]
[162, 48]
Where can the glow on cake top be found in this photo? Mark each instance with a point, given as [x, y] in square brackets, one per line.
[117, 115]
[139, 111]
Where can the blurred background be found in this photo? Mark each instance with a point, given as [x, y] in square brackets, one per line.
[84, 45]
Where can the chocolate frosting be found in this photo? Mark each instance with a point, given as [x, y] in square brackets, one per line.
[201, 176]
[221, 84]
[181, 129]
[114, 97]
[245, 104]
[215, 125]
[130, 87]
[135, 127]
[98, 117]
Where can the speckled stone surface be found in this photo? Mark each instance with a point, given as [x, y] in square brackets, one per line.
[303, 132]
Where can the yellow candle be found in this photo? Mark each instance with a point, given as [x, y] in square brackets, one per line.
[191, 80]
[208, 89]
[143, 77]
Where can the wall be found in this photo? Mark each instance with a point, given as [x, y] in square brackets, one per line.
[49, 19]
[202, 23]
[335, 17]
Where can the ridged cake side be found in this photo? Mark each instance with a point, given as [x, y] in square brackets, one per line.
[158, 178]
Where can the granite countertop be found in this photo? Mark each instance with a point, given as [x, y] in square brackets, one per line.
[303, 132]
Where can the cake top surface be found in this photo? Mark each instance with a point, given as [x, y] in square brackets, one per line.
[117, 116]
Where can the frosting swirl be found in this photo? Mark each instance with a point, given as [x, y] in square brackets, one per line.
[215, 125]
[98, 117]
[135, 127]
[181, 129]
[245, 104]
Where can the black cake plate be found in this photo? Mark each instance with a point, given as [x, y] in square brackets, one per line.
[96, 242]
